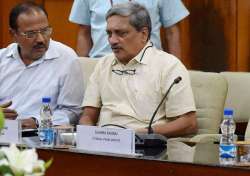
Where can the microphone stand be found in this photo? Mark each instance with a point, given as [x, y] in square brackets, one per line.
[151, 139]
[176, 81]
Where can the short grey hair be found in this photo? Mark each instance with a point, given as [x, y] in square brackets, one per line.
[138, 15]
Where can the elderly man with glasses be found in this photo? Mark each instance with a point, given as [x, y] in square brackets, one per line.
[34, 67]
[128, 85]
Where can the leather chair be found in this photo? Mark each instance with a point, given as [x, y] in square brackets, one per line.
[238, 97]
[87, 65]
[210, 90]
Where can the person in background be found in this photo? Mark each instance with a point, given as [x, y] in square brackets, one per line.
[128, 84]
[35, 66]
[90, 15]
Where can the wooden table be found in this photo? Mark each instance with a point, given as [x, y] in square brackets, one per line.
[74, 164]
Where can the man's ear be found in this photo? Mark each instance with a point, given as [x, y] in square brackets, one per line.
[145, 34]
[12, 32]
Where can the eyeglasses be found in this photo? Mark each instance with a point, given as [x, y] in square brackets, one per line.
[32, 34]
[124, 72]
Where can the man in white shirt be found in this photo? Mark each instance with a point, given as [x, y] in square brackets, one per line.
[127, 85]
[35, 67]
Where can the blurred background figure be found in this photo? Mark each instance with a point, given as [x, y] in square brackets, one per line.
[90, 15]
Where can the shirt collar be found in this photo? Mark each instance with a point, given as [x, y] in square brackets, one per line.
[13, 51]
[140, 57]
[51, 53]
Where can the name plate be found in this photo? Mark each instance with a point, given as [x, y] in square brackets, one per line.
[10, 132]
[111, 140]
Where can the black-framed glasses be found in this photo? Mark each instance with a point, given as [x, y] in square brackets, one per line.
[32, 34]
[124, 72]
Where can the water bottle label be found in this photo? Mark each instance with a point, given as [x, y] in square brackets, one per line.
[42, 135]
[227, 151]
[46, 136]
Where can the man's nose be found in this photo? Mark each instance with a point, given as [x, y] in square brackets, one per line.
[40, 37]
[113, 39]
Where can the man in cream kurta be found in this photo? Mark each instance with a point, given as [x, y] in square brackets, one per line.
[127, 86]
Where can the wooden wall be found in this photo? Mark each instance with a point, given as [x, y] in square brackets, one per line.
[211, 39]
[243, 35]
[218, 35]
[63, 30]
[5, 7]
[215, 37]
[1, 24]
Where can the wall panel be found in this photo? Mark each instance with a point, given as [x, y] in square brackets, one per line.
[4, 24]
[63, 30]
[211, 37]
[1, 23]
[243, 34]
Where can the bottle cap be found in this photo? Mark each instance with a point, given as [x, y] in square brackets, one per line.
[228, 111]
[46, 99]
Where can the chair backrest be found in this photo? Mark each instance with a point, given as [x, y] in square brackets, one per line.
[88, 66]
[210, 90]
[238, 96]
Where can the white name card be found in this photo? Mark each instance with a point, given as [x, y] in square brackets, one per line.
[10, 132]
[111, 140]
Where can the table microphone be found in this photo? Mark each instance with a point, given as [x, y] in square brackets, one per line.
[151, 139]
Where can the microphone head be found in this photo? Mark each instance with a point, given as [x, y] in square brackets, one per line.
[177, 80]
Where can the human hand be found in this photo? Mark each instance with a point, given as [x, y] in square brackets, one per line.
[28, 123]
[9, 113]
[141, 130]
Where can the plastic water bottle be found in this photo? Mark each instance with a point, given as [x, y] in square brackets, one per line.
[227, 146]
[46, 132]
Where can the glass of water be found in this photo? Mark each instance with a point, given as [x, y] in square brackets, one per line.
[64, 137]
